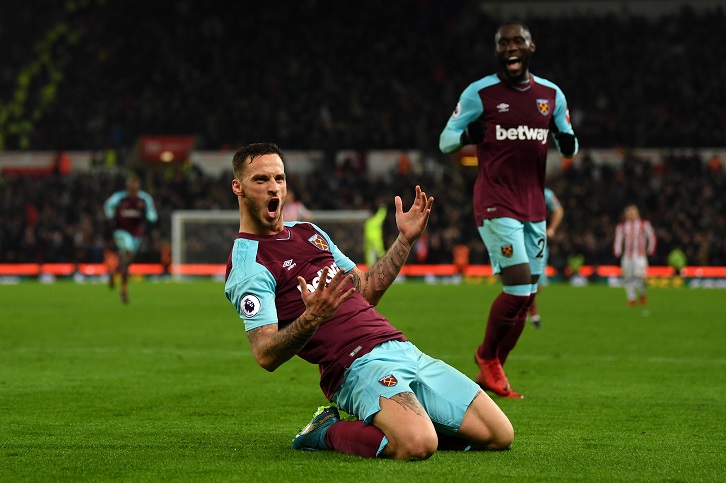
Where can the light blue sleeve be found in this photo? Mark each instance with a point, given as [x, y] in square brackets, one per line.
[109, 206]
[467, 110]
[561, 115]
[151, 214]
[250, 287]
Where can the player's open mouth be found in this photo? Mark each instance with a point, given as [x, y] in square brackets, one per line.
[514, 63]
[272, 207]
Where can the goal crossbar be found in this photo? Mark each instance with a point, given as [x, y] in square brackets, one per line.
[228, 221]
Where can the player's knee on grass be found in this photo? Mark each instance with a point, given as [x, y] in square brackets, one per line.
[411, 434]
[499, 438]
[502, 436]
[407, 441]
[486, 426]
[411, 445]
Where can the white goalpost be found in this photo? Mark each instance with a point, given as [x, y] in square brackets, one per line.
[205, 237]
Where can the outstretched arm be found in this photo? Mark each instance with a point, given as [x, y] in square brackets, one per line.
[411, 224]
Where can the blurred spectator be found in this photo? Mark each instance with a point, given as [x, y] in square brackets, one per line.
[56, 219]
[294, 209]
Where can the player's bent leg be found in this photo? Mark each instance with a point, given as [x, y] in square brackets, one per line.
[504, 326]
[642, 290]
[510, 306]
[630, 290]
[485, 425]
[410, 432]
[125, 259]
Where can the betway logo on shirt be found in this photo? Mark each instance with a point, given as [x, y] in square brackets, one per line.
[522, 133]
[312, 286]
[130, 213]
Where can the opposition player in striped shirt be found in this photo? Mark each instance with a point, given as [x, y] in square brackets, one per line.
[634, 242]
[510, 116]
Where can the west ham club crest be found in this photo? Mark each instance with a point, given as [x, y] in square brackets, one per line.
[319, 241]
[507, 251]
[543, 106]
[388, 381]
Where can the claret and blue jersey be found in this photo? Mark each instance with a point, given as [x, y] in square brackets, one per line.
[261, 283]
[130, 212]
[512, 157]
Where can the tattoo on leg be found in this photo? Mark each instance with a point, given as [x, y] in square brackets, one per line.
[408, 401]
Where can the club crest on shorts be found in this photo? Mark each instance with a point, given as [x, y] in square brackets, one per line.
[319, 241]
[250, 305]
[388, 381]
[507, 251]
[543, 106]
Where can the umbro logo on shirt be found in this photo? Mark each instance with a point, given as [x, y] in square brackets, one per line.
[503, 107]
[288, 264]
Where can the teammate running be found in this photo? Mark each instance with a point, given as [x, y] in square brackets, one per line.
[510, 117]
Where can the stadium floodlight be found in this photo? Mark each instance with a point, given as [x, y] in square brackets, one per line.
[201, 240]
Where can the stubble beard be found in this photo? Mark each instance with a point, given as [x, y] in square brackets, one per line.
[255, 210]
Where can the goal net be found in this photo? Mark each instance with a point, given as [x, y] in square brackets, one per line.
[201, 239]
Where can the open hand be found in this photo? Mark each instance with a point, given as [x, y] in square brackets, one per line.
[412, 223]
[323, 301]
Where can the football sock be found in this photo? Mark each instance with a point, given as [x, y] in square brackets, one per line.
[630, 290]
[533, 309]
[355, 438]
[503, 314]
[452, 443]
[641, 291]
[510, 340]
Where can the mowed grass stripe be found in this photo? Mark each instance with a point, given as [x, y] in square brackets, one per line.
[166, 388]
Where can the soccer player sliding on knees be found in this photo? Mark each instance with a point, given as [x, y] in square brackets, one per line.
[299, 295]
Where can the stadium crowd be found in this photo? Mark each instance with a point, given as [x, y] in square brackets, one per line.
[60, 218]
[322, 74]
[386, 76]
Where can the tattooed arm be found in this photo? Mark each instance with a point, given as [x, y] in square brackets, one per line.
[272, 347]
[411, 224]
[374, 283]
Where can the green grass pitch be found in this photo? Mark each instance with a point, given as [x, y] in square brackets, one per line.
[166, 388]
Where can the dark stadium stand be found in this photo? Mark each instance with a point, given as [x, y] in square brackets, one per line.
[322, 75]
[318, 74]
